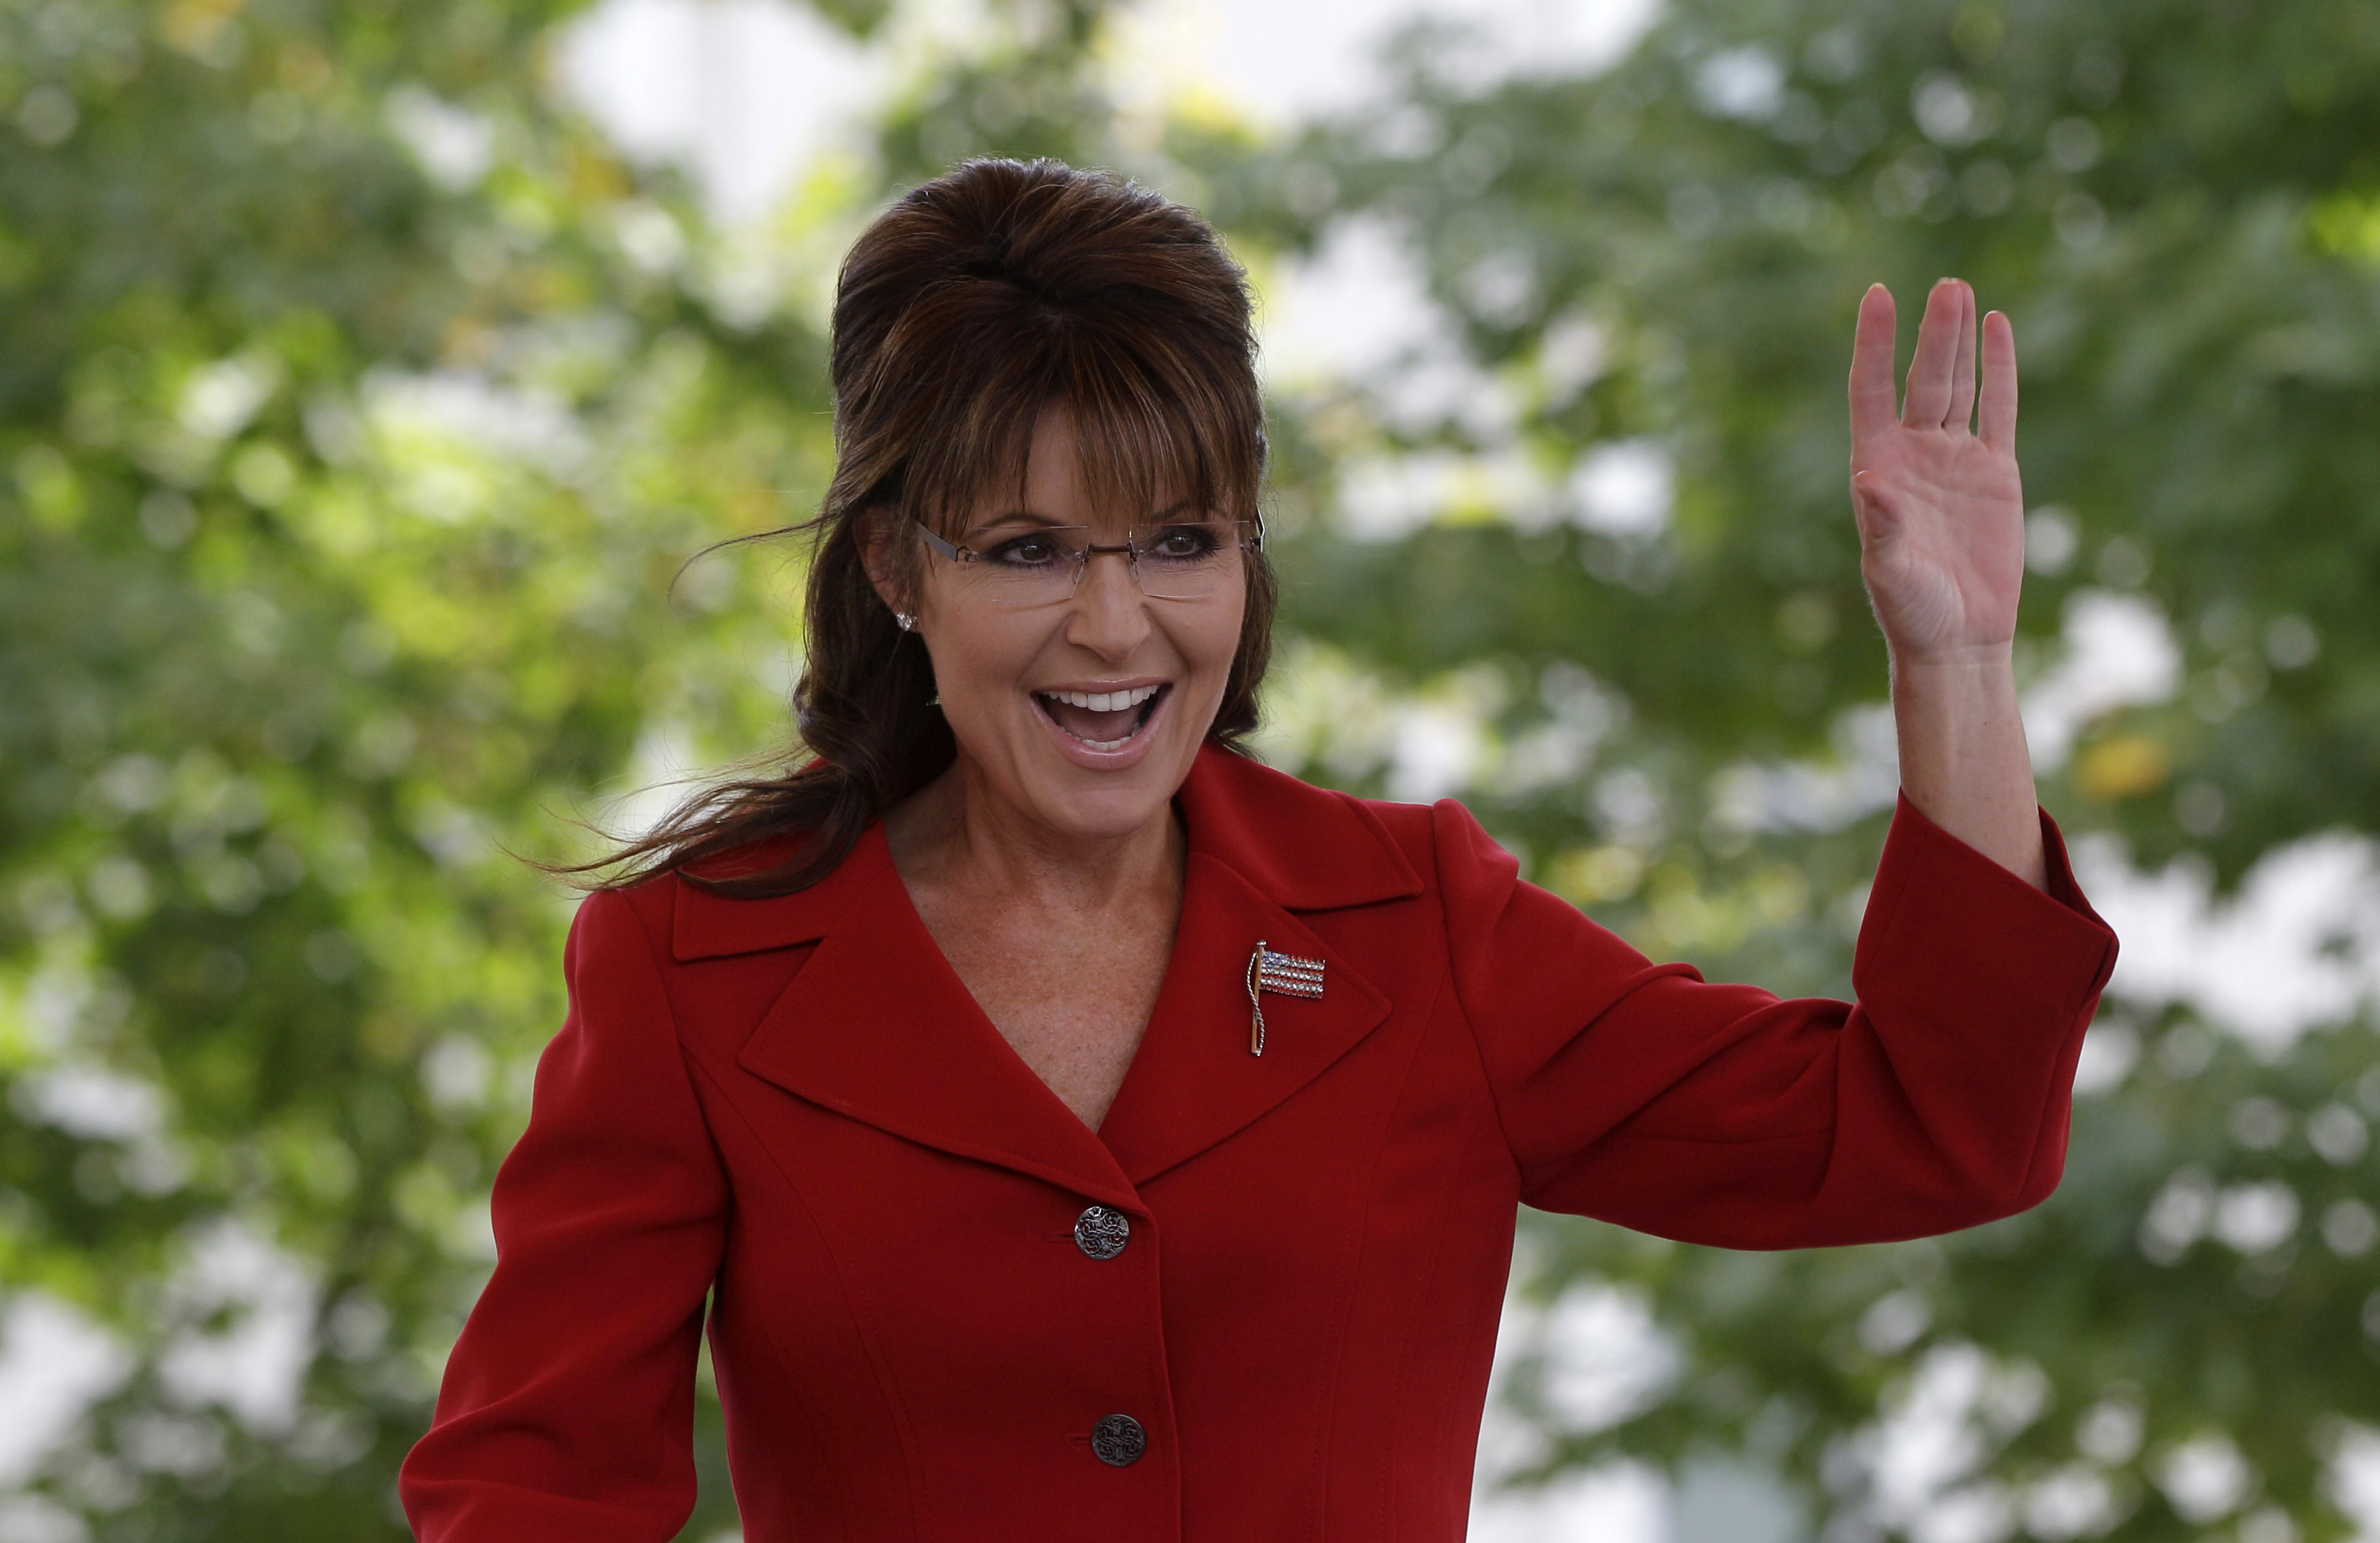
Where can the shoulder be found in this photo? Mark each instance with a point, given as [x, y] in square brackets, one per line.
[683, 916]
[612, 919]
[1320, 846]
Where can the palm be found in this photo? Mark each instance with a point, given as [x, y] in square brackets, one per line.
[1940, 506]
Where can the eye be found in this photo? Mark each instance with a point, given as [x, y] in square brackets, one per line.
[1186, 541]
[1027, 552]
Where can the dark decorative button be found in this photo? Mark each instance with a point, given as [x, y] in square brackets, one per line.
[1118, 1440]
[1101, 1231]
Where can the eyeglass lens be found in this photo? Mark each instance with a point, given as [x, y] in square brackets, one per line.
[1182, 560]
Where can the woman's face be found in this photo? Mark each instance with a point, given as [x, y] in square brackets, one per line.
[1081, 716]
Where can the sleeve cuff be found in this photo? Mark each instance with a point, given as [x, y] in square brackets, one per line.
[1930, 878]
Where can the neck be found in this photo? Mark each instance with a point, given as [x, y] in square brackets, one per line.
[957, 831]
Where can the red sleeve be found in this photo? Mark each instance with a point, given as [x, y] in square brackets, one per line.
[566, 1415]
[1638, 1093]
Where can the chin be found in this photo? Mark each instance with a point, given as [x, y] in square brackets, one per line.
[1084, 773]
[1102, 814]
[1108, 790]
[1103, 804]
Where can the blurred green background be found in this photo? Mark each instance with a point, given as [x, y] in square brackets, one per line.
[360, 400]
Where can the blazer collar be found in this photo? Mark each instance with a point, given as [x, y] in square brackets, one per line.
[1194, 1082]
[1303, 847]
[1300, 846]
[877, 1025]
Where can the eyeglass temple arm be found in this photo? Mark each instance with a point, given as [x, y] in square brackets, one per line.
[949, 552]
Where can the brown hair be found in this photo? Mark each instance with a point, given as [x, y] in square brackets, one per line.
[974, 302]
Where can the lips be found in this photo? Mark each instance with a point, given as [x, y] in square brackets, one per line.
[1102, 720]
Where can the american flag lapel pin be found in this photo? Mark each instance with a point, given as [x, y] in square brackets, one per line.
[1285, 974]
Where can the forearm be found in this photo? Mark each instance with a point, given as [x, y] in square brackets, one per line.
[1963, 762]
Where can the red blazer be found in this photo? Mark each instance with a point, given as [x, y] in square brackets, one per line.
[793, 1111]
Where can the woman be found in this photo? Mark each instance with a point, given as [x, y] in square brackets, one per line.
[1073, 1129]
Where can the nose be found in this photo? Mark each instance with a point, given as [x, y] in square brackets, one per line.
[1110, 615]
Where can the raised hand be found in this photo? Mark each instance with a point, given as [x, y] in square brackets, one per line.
[1941, 521]
[1940, 503]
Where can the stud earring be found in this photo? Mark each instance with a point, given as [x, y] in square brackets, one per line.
[905, 621]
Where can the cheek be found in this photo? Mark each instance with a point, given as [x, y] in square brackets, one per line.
[1216, 641]
[1206, 645]
[981, 662]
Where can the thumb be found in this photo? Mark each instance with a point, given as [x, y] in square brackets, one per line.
[1875, 507]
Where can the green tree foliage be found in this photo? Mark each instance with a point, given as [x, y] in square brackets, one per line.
[356, 413]
[2175, 199]
[359, 406]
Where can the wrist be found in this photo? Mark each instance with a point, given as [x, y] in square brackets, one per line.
[1969, 662]
[1960, 699]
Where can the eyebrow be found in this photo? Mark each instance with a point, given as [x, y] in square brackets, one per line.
[1032, 516]
[1012, 517]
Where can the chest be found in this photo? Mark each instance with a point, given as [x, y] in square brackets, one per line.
[1327, 1223]
[1071, 996]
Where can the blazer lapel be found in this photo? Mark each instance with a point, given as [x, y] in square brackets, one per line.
[1194, 1082]
[877, 1027]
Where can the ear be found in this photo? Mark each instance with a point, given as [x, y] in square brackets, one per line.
[872, 529]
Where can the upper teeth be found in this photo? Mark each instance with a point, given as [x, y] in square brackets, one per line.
[1103, 701]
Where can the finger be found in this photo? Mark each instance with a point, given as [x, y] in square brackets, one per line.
[1876, 509]
[1962, 369]
[1937, 350]
[1999, 383]
[1873, 399]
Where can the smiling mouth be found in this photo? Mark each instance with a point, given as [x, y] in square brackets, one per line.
[1102, 720]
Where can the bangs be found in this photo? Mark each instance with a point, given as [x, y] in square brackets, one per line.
[1153, 426]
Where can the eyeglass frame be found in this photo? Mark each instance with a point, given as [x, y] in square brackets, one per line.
[956, 552]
